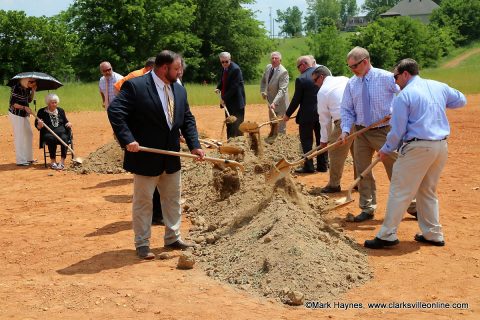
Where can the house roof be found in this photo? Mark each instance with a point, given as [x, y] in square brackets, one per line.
[412, 8]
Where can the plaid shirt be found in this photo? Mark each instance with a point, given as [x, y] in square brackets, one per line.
[111, 89]
[381, 89]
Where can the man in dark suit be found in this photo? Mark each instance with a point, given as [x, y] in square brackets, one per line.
[305, 96]
[150, 111]
[232, 91]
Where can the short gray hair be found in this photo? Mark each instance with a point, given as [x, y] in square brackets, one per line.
[358, 53]
[51, 97]
[225, 55]
[322, 71]
[276, 53]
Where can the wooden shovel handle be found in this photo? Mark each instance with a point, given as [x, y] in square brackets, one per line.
[54, 134]
[315, 152]
[189, 155]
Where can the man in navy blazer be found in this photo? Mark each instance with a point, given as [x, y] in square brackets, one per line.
[151, 111]
[232, 91]
[305, 96]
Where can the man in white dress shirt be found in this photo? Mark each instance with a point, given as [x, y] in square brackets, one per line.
[329, 100]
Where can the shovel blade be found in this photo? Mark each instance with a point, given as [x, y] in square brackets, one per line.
[249, 127]
[279, 171]
[226, 149]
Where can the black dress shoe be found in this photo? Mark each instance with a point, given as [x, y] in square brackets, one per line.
[378, 243]
[322, 169]
[304, 170]
[157, 222]
[421, 238]
[179, 245]
[144, 253]
[363, 216]
[330, 189]
[413, 214]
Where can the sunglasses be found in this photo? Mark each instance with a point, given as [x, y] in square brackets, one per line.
[32, 81]
[396, 76]
[107, 70]
[355, 65]
[224, 62]
[302, 63]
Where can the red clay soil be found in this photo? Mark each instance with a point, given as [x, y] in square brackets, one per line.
[68, 249]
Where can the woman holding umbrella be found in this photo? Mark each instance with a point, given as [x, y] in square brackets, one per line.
[21, 95]
[54, 117]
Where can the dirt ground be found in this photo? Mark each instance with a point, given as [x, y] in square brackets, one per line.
[68, 251]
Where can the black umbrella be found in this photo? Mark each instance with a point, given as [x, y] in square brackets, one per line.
[44, 81]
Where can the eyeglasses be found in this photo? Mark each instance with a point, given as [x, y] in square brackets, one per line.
[396, 76]
[355, 65]
[107, 70]
[224, 62]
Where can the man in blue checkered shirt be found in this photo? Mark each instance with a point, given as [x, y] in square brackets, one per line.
[367, 99]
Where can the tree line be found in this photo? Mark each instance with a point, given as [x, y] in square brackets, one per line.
[71, 45]
[454, 23]
[126, 32]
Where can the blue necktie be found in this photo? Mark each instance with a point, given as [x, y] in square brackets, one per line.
[367, 112]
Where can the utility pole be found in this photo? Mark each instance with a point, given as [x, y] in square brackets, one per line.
[271, 23]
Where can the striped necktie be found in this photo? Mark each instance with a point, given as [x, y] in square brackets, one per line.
[170, 104]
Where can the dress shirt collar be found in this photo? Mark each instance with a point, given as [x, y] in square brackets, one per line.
[158, 82]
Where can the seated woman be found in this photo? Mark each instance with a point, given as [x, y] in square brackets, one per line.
[55, 118]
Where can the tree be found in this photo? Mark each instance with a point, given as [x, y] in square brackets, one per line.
[224, 25]
[291, 20]
[330, 48]
[319, 10]
[389, 40]
[460, 15]
[375, 8]
[126, 32]
[34, 44]
[348, 8]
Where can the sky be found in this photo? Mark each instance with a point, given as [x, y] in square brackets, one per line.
[52, 7]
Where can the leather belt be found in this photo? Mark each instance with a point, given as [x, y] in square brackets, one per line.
[417, 139]
[358, 127]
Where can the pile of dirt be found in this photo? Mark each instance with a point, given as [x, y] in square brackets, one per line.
[106, 159]
[268, 240]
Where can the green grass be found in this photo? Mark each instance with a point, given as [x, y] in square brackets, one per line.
[85, 96]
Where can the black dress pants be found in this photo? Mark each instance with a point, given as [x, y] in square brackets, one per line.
[306, 132]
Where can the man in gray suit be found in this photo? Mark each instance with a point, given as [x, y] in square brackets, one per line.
[274, 88]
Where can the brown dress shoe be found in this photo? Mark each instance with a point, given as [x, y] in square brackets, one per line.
[179, 245]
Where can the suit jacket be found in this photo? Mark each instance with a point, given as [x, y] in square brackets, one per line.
[234, 95]
[277, 87]
[136, 114]
[305, 96]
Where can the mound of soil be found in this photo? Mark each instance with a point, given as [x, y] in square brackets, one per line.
[269, 240]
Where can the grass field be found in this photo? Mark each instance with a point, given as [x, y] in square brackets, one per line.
[85, 96]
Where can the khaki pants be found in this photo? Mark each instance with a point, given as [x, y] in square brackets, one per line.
[169, 186]
[416, 173]
[338, 155]
[365, 146]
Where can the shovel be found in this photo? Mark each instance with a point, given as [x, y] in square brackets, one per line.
[282, 167]
[273, 126]
[346, 200]
[228, 163]
[253, 127]
[75, 159]
[229, 119]
[223, 149]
